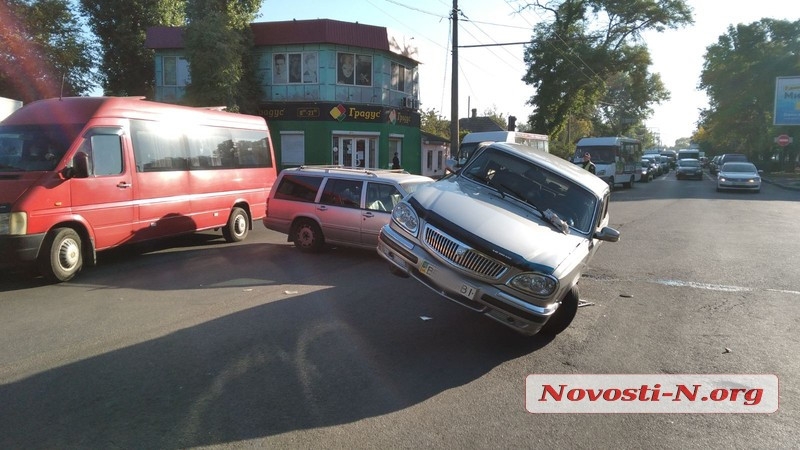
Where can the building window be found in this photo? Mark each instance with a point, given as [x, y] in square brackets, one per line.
[293, 148]
[294, 68]
[401, 78]
[175, 71]
[354, 69]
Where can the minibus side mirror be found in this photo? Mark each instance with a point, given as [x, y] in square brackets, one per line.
[80, 166]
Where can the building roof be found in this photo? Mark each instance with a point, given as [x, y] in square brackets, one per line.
[479, 124]
[430, 138]
[291, 32]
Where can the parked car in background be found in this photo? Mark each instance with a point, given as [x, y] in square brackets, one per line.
[713, 165]
[508, 235]
[655, 161]
[647, 170]
[731, 157]
[318, 205]
[689, 168]
[739, 175]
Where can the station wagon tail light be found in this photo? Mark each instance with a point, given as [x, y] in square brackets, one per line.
[534, 284]
[405, 216]
[15, 223]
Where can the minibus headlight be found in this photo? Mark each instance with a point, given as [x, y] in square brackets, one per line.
[405, 216]
[14, 223]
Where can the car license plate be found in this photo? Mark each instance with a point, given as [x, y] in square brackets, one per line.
[468, 291]
[427, 268]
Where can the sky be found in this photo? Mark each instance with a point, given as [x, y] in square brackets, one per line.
[490, 77]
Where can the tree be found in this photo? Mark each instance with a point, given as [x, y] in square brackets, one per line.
[573, 67]
[120, 26]
[739, 78]
[219, 49]
[44, 52]
[496, 117]
[432, 122]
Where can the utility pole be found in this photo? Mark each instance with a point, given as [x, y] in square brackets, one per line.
[454, 86]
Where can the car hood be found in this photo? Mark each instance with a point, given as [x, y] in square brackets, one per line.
[500, 227]
[14, 184]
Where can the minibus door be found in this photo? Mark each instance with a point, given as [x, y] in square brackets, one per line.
[101, 191]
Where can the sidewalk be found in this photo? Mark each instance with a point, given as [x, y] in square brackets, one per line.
[784, 182]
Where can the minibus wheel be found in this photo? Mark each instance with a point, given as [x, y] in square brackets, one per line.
[237, 227]
[61, 257]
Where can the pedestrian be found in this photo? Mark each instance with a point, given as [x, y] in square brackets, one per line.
[395, 161]
[587, 162]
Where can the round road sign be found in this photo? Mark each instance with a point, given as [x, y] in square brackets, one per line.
[783, 140]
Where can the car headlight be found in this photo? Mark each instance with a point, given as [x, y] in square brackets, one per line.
[721, 178]
[534, 284]
[405, 216]
[14, 223]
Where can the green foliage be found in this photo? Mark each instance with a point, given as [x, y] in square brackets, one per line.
[120, 26]
[219, 48]
[432, 122]
[597, 74]
[44, 52]
[739, 78]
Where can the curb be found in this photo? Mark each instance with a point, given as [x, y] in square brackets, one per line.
[781, 185]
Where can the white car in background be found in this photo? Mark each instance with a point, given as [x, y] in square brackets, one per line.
[740, 176]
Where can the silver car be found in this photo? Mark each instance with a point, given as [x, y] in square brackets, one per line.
[318, 205]
[508, 235]
[739, 175]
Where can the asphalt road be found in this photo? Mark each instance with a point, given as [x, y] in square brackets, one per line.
[202, 343]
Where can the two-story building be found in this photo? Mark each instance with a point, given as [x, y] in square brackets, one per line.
[334, 92]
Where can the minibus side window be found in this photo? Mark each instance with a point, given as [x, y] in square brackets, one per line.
[107, 155]
[104, 153]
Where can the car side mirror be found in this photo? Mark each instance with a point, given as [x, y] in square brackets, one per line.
[607, 234]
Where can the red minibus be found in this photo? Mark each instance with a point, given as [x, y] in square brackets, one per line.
[83, 174]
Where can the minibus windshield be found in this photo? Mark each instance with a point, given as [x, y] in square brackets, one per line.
[33, 148]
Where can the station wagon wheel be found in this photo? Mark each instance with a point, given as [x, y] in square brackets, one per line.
[61, 258]
[308, 236]
[563, 316]
[237, 227]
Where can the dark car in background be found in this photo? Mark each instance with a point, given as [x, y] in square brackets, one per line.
[713, 165]
[689, 168]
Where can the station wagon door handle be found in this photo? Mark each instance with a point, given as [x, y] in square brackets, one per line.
[369, 214]
[123, 184]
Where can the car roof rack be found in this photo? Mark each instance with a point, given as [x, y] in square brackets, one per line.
[367, 171]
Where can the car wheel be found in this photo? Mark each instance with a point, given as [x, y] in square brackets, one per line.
[61, 257]
[563, 316]
[237, 227]
[308, 236]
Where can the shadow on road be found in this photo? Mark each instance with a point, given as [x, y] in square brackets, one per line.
[318, 359]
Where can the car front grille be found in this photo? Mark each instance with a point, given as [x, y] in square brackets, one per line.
[462, 255]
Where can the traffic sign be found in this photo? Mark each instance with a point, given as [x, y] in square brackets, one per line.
[783, 140]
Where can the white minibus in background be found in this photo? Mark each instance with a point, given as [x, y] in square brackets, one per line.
[615, 158]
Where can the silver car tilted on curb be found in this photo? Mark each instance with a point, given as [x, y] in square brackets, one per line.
[508, 235]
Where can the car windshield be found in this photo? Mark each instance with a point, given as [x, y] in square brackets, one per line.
[739, 167]
[534, 185]
[32, 148]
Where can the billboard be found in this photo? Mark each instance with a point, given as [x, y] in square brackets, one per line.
[787, 101]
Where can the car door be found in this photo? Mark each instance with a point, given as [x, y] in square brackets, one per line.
[103, 195]
[377, 210]
[339, 210]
